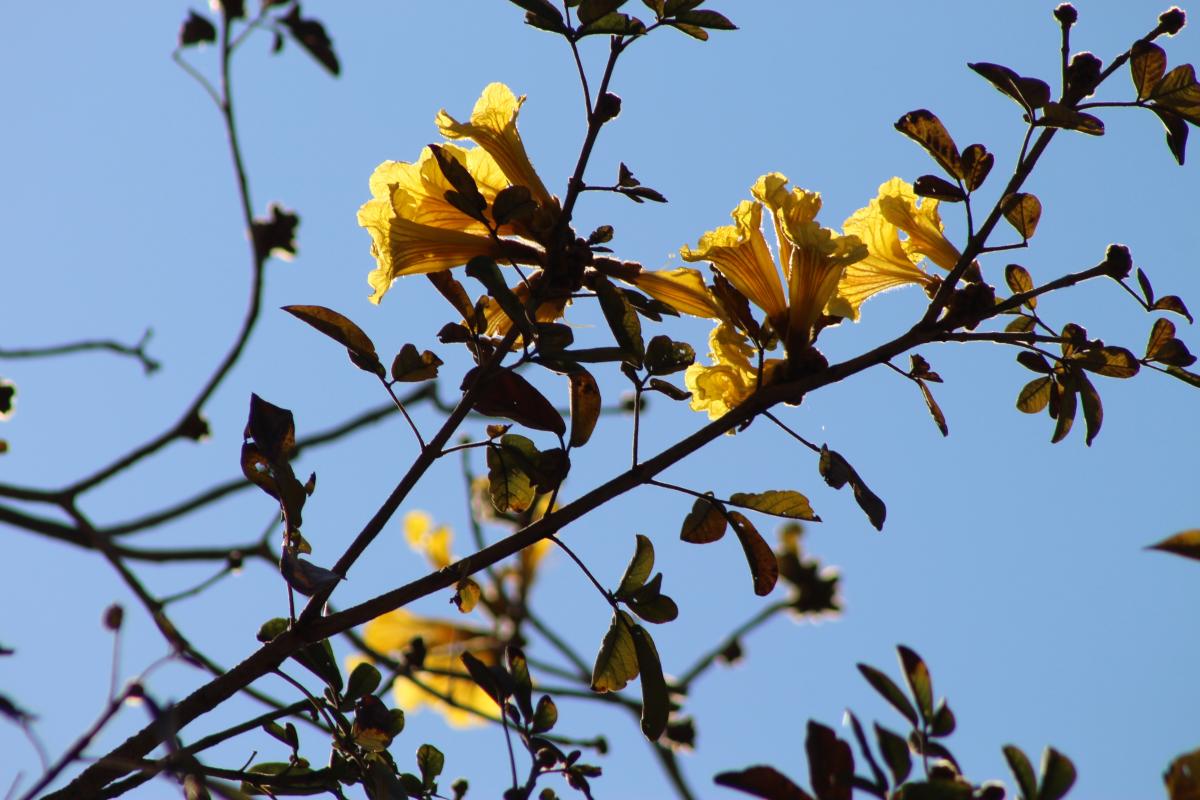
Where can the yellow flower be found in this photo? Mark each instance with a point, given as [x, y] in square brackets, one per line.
[415, 230]
[493, 126]
[682, 289]
[813, 259]
[733, 376]
[445, 642]
[423, 537]
[891, 261]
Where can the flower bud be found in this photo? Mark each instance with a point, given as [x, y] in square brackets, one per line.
[1066, 15]
[1117, 261]
[1171, 21]
[114, 615]
[608, 106]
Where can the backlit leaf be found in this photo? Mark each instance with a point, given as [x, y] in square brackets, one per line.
[1186, 544]
[509, 482]
[656, 700]
[1019, 280]
[363, 680]
[1029, 93]
[830, 763]
[410, 366]
[923, 127]
[506, 394]
[779, 503]
[1093, 409]
[916, 673]
[1172, 303]
[894, 748]
[1022, 771]
[430, 762]
[1058, 775]
[466, 595]
[976, 164]
[1064, 403]
[761, 781]
[545, 715]
[616, 663]
[585, 406]
[1162, 332]
[1023, 211]
[1177, 133]
[665, 356]
[485, 270]
[1183, 777]
[1034, 361]
[938, 189]
[622, 320]
[1112, 362]
[342, 331]
[704, 523]
[935, 410]
[1056, 115]
[1147, 65]
[764, 567]
[311, 35]
[639, 568]
[943, 722]
[703, 18]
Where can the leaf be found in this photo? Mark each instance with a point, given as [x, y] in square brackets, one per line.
[1023, 211]
[664, 356]
[703, 18]
[916, 673]
[540, 8]
[616, 663]
[1186, 544]
[1162, 333]
[1063, 404]
[1172, 303]
[453, 291]
[622, 320]
[545, 716]
[880, 780]
[1112, 362]
[513, 203]
[585, 406]
[196, 29]
[830, 763]
[509, 482]
[976, 164]
[764, 567]
[889, 691]
[1022, 771]
[485, 677]
[1093, 409]
[1185, 376]
[1179, 91]
[311, 35]
[1021, 323]
[1182, 777]
[466, 595]
[592, 10]
[616, 25]
[639, 569]
[284, 778]
[1029, 93]
[761, 781]
[1019, 280]
[465, 195]
[938, 189]
[304, 576]
[1147, 65]
[342, 331]
[669, 389]
[1058, 775]
[651, 605]
[1144, 283]
[484, 270]
[837, 472]
[656, 700]
[317, 658]
[943, 722]
[935, 410]
[409, 366]
[364, 680]
[506, 394]
[1177, 132]
[430, 762]
[780, 503]
[1057, 115]
[704, 523]
[924, 128]
[894, 748]
[273, 430]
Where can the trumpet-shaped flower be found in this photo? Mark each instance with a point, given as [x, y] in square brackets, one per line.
[891, 261]
[415, 230]
[733, 376]
[813, 259]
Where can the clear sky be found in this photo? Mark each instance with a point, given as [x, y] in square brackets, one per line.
[1015, 567]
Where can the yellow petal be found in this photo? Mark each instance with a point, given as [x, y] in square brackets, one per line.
[819, 258]
[733, 376]
[887, 265]
[788, 209]
[740, 252]
[923, 224]
[493, 126]
[682, 289]
[462, 691]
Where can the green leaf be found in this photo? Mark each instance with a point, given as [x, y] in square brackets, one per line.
[764, 566]
[656, 700]
[518, 669]
[1058, 775]
[653, 606]
[283, 778]
[943, 722]
[916, 673]
[364, 680]
[779, 503]
[639, 569]
[342, 331]
[703, 18]
[888, 689]
[765, 782]
[1186, 544]
[616, 663]
[1022, 771]
[622, 320]
[486, 678]
[704, 523]
[1035, 395]
[592, 10]
[1112, 362]
[894, 748]
[665, 356]
[430, 762]
[509, 482]
[545, 716]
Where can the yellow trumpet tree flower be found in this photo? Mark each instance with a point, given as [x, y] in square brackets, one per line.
[891, 261]
[415, 230]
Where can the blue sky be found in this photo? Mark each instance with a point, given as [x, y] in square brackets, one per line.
[1013, 566]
